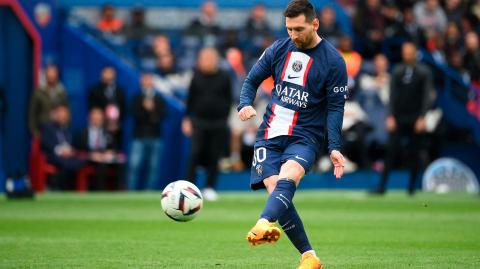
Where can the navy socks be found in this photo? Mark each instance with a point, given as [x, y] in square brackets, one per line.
[280, 207]
[292, 225]
[279, 201]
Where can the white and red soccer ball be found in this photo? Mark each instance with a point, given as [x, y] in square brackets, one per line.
[181, 200]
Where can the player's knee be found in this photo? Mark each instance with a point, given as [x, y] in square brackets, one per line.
[292, 170]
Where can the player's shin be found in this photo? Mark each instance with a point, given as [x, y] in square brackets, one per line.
[292, 225]
[280, 200]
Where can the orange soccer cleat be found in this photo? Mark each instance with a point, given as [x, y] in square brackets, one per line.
[263, 232]
[310, 261]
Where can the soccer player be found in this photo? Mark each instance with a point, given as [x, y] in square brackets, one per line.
[307, 104]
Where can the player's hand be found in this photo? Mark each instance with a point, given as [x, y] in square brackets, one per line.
[391, 124]
[187, 127]
[338, 163]
[247, 113]
[420, 125]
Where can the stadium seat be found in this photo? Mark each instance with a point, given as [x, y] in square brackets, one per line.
[84, 175]
[83, 178]
[39, 167]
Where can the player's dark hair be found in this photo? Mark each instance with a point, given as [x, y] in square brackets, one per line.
[298, 7]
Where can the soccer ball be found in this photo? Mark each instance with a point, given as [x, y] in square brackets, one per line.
[181, 200]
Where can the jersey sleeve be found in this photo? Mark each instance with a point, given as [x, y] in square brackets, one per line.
[261, 70]
[337, 93]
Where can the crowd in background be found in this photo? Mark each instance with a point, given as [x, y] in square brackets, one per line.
[448, 30]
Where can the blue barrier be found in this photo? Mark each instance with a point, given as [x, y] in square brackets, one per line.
[16, 82]
[82, 59]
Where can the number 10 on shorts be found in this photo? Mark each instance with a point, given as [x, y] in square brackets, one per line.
[259, 156]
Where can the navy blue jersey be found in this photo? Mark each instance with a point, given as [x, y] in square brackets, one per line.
[309, 94]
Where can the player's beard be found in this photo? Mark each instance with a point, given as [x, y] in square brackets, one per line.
[306, 43]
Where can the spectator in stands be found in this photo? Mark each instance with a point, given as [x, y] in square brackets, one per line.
[108, 96]
[379, 82]
[369, 24]
[169, 79]
[468, 24]
[208, 105]
[237, 74]
[257, 23]
[393, 17]
[353, 60]
[411, 88]
[329, 28]
[149, 110]
[100, 147]
[459, 91]
[471, 59]
[430, 16]
[436, 46]
[453, 40]
[455, 61]
[409, 30]
[473, 14]
[108, 23]
[166, 64]
[158, 47]
[44, 99]
[161, 46]
[234, 61]
[138, 34]
[374, 98]
[205, 27]
[137, 29]
[454, 10]
[57, 144]
[256, 30]
[230, 39]
[354, 125]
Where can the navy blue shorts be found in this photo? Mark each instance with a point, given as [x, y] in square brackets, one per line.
[269, 155]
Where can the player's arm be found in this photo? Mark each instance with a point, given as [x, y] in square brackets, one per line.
[337, 93]
[259, 72]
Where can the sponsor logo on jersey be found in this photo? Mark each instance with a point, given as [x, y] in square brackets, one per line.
[292, 96]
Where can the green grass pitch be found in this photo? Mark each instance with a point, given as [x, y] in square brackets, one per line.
[348, 230]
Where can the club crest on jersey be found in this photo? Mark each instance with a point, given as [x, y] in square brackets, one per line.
[297, 66]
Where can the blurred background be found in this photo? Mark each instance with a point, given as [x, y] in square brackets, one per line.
[93, 95]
